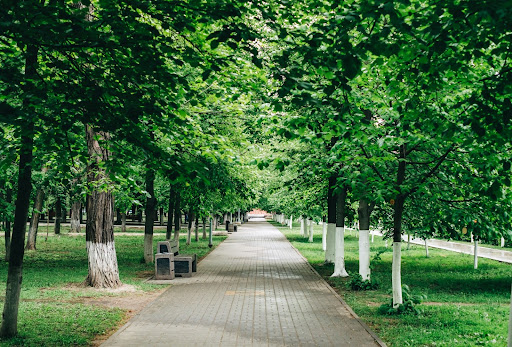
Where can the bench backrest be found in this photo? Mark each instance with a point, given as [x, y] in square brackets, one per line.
[167, 247]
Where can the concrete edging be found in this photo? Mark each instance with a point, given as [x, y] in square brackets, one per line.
[349, 309]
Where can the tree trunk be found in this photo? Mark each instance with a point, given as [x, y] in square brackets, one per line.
[426, 248]
[291, 221]
[63, 212]
[123, 222]
[118, 217]
[204, 228]
[196, 229]
[9, 327]
[210, 239]
[7, 234]
[310, 231]
[177, 218]
[34, 221]
[190, 226]
[302, 226]
[58, 215]
[397, 249]
[324, 233]
[331, 222]
[510, 322]
[398, 211]
[364, 212]
[339, 255]
[150, 216]
[76, 211]
[475, 258]
[99, 229]
[170, 213]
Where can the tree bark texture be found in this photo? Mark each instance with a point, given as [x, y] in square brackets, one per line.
[99, 230]
[7, 234]
[58, 215]
[177, 218]
[204, 228]
[123, 222]
[150, 216]
[34, 221]
[196, 228]
[190, 225]
[170, 213]
[9, 327]
[76, 211]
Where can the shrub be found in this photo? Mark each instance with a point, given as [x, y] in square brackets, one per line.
[357, 283]
[409, 304]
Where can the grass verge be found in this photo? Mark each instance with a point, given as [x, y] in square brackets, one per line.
[464, 307]
[56, 310]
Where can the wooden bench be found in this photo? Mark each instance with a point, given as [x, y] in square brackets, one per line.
[184, 264]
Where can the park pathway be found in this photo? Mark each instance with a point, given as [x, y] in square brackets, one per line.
[466, 248]
[254, 289]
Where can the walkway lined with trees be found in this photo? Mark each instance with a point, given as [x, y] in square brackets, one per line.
[254, 289]
[396, 115]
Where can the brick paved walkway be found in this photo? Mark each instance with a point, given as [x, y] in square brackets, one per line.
[255, 289]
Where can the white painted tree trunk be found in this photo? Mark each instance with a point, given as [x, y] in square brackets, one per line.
[426, 248]
[475, 260]
[291, 221]
[330, 246]
[502, 242]
[302, 227]
[364, 254]
[386, 243]
[396, 274]
[311, 231]
[148, 248]
[409, 241]
[510, 324]
[324, 236]
[339, 253]
[189, 232]
[373, 235]
[103, 270]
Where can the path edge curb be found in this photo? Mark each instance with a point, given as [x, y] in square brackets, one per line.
[363, 324]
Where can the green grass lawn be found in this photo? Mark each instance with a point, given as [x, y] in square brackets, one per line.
[54, 310]
[464, 307]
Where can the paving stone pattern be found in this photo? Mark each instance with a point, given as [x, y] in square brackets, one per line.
[255, 289]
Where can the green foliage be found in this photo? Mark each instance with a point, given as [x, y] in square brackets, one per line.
[409, 305]
[356, 283]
